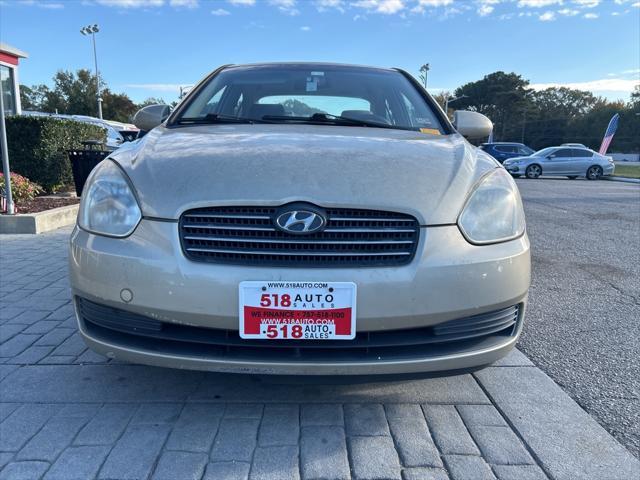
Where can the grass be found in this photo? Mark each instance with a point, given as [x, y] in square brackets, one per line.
[629, 171]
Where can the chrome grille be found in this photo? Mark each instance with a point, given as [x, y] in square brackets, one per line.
[248, 236]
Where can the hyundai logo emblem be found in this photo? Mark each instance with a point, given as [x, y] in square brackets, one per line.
[300, 220]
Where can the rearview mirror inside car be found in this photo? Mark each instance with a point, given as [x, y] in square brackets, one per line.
[472, 125]
[151, 116]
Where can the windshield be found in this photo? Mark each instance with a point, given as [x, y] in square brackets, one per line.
[328, 94]
[544, 152]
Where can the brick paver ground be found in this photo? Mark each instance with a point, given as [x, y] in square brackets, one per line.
[67, 413]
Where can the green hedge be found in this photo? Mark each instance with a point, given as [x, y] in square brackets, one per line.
[38, 146]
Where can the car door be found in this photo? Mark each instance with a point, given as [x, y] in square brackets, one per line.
[582, 160]
[558, 162]
[502, 152]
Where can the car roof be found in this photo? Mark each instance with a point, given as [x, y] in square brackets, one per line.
[504, 143]
[309, 65]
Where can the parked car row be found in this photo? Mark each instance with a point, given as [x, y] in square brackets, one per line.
[569, 159]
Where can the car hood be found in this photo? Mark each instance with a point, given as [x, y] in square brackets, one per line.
[427, 176]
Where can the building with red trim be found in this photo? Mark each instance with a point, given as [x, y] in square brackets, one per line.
[9, 60]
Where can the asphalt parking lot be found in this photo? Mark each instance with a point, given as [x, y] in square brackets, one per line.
[67, 413]
[583, 326]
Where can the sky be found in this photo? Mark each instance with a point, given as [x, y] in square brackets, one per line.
[149, 48]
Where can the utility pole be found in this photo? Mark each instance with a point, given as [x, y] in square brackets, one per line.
[424, 70]
[5, 158]
[92, 30]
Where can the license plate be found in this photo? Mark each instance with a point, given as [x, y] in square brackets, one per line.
[298, 310]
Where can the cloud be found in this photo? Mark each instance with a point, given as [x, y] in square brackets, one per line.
[184, 3]
[423, 5]
[51, 5]
[130, 3]
[538, 3]
[386, 7]
[569, 12]
[603, 85]
[591, 16]
[41, 4]
[246, 3]
[323, 5]
[435, 3]
[485, 9]
[220, 12]
[587, 3]
[305, 28]
[547, 17]
[286, 6]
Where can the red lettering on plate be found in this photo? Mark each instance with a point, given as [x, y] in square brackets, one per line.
[256, 316]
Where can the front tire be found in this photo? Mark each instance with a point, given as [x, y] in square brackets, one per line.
[533, 171]
[594, 172]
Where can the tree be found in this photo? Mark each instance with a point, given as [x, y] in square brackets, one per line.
[75, 94]
[503, 97]
[634, 101]
[552, 114]
[441, 97]
[117, 106]
[151, 101]
[300, 109]
[31, 98]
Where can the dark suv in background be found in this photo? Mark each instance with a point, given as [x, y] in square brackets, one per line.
[503, 150]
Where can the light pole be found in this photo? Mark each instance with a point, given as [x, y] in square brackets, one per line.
[424, 70]
[92, 30]
[5, 158]
[450, 100]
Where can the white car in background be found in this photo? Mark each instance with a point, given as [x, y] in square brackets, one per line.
[114, 138]
[572, 162]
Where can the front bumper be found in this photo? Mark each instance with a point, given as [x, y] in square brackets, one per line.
[448, 279]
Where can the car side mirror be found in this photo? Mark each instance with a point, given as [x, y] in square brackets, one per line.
[151, 116]
[472, 125]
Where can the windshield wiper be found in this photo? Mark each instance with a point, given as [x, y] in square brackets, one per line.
[213, 118]
[323, 118]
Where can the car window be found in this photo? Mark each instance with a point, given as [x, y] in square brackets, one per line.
[505, 148]
[562, 153]
[254, 92]
[545, 152]
[580, 153]
[525, 151]
[305, 105]
[212, 104]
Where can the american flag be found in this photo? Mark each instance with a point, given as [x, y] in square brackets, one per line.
[608, 135]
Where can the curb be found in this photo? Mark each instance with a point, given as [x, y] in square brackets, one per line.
[32, 223]
[621, 179]
[566, 440]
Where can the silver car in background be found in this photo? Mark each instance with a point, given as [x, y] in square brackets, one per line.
[572, 162]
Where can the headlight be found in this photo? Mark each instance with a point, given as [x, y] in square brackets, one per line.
[108, 205]
[493, 212]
